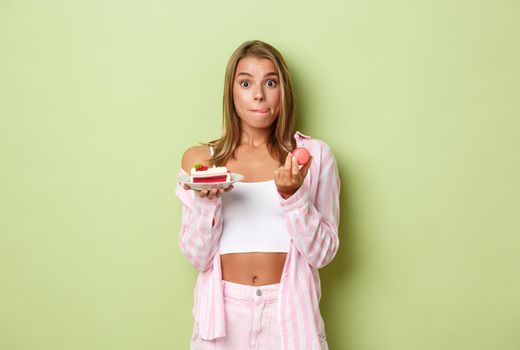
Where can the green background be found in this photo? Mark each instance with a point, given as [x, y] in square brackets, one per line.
[419, 100]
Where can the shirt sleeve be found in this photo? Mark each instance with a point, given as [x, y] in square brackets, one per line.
[313, 224]
[201, 227]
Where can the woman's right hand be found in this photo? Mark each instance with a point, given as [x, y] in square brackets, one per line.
[210, 193]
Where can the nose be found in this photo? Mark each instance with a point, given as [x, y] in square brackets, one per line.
[259, 94]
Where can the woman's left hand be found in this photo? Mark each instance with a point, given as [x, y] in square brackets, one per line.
[289, 178]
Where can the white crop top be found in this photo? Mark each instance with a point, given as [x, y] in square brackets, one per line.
[253, 219]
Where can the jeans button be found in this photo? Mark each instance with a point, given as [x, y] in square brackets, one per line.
[258, 292]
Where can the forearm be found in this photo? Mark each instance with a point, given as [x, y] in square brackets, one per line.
[201, 229]
[313, 222]
[315, 236]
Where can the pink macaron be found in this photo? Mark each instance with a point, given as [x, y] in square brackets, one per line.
[302, 155]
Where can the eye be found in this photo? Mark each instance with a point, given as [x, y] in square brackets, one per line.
[274, 82]
[244, 81]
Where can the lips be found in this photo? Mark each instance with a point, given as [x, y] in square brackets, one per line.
[265, 110]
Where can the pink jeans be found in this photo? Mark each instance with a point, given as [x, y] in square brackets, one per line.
[251, 319]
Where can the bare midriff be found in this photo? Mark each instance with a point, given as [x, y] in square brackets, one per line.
[255, 269]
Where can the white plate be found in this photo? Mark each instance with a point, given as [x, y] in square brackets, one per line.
[204, 186]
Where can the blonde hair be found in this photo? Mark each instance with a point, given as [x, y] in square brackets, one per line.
[281, 140]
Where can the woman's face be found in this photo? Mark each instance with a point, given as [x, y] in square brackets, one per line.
[256, 92]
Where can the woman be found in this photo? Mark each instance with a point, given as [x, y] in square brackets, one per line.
[258, 247]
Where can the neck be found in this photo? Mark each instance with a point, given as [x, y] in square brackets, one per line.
[254, 138]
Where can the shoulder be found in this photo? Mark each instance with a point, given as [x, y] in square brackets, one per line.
[194, 155]
[310, 141]
[323, 154]
[324, 148]
[323, 157]
[317, 146]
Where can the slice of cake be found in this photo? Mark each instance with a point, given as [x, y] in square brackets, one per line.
[202, 174]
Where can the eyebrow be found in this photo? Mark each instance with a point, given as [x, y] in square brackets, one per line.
[244, 73]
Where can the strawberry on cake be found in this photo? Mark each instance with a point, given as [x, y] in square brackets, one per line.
[202, 174]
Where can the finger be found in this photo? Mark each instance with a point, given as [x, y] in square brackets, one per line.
[203, 193]
[288, 161]
[186, 187]
[295, 169]
[212, 193]
[229, 188]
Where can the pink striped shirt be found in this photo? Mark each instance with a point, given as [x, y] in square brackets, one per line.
[312, 217]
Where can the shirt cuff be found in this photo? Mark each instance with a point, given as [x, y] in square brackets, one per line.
[296, 200]
[184, 195]
[206, 203]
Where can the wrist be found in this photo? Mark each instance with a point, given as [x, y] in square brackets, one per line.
[286, 195]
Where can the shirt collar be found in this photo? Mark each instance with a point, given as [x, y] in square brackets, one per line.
[298, 135]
